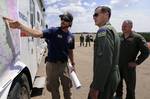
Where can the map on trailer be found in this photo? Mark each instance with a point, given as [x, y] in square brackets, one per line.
[9, 38]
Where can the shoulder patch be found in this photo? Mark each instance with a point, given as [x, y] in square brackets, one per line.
[101, 33]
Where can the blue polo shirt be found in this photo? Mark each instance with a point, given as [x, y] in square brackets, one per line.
[59, 43]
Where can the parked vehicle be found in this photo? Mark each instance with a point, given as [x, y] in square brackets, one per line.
[19, 55]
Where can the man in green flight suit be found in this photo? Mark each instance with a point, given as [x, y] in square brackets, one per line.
[106, 55]
[131, 44]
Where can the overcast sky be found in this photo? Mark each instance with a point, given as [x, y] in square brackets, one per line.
[136, 10]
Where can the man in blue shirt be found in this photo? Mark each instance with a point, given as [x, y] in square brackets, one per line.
[60, 48]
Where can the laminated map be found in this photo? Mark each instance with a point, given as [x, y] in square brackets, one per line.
[9, 38]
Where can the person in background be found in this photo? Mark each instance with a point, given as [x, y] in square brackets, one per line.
[91, 38]
[81, 40]
[87, 40]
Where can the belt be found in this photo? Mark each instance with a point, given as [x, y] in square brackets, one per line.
[56, 61]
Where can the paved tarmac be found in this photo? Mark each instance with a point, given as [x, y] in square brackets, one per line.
[84, 61]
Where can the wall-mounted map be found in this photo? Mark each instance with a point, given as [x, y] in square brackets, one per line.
[9, 39]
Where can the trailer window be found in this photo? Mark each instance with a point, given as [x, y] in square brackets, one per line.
[38, 16]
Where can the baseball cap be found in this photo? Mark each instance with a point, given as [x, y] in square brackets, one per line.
[66, 17]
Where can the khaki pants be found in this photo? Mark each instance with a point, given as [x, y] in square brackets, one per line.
[56, 73]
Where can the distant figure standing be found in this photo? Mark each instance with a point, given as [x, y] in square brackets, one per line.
[91, 38]
[87, 40]
[81, 40]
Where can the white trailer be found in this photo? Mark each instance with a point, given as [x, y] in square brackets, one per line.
[19, 55]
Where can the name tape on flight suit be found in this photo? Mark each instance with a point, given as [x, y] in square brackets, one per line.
[101, 33]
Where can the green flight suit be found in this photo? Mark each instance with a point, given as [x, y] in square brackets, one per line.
[129, 52]
[106, 55]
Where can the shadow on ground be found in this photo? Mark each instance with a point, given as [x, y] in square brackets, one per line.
[37, 92]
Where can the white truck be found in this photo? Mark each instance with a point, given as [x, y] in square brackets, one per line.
[19, 55]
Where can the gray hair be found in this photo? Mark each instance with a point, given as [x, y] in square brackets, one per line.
[129, 22]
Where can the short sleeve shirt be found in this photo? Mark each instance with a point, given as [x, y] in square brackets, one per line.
[59, 44]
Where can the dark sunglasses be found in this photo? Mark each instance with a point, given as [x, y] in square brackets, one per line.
[95, 14]
[65, 19]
